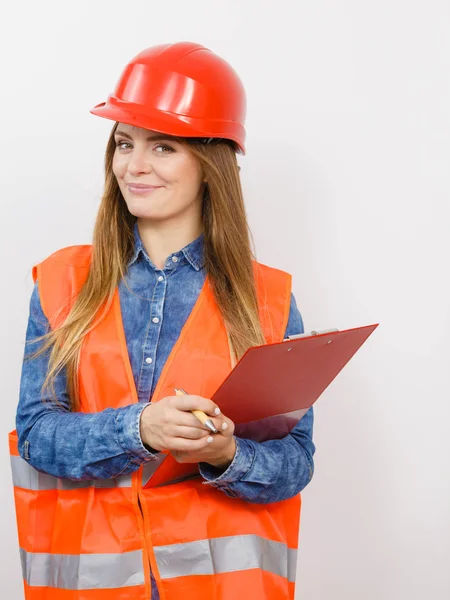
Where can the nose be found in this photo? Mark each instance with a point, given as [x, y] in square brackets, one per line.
[139, 162]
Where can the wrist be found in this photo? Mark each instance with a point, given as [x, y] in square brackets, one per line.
[144, 427]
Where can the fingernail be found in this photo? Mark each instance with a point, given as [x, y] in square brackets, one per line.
[217, 411]
[210, 439]
[224, 426]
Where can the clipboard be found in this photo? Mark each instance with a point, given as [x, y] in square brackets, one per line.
[274, 385]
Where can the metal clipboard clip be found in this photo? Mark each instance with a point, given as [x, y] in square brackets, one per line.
[300, 335]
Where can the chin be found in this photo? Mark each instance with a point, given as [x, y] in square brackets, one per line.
[149, 215]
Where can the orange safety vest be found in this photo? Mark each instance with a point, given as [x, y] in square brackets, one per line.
[96, 540]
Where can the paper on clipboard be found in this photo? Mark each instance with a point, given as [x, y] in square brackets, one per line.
[274, 385]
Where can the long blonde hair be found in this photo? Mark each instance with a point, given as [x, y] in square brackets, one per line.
[228, 262]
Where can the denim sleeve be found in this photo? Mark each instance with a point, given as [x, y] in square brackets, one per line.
[67, 444]
[273, 470]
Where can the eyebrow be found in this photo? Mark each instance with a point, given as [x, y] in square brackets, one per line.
[153, 138]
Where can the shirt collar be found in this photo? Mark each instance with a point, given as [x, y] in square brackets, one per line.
[193, 252]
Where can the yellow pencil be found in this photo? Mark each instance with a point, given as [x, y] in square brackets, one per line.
[201, 416]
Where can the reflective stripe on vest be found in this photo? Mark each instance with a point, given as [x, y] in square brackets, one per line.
[82, 571]
[224, 555]
[203, 557]
[27, 477]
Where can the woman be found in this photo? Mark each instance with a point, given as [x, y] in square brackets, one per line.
[121, 492]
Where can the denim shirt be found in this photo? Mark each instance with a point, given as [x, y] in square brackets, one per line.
[155, 305]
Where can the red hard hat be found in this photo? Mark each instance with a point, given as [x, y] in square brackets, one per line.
[181, 89]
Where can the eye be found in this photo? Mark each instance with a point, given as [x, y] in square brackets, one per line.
[119, 144]
[167, 149]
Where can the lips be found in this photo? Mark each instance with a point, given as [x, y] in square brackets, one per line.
[140, 186]
[143, 189]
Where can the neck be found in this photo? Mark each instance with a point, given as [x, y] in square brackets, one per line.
[160, 239]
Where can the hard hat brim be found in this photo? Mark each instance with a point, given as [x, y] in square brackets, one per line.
[157, 120]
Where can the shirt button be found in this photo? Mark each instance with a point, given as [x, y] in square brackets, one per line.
[155, 320]
[174, 259]
[160, 278]
[149, 360]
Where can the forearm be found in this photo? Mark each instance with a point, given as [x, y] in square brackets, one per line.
[84, 445]
[270, 471]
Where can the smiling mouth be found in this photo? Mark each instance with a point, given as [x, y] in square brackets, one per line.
[142, 190]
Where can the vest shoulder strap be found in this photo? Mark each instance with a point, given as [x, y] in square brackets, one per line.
[274, 295]
[60, 277]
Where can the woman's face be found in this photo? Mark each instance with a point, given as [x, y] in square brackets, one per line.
[148, 158]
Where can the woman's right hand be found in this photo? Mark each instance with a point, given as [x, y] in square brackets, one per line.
[169, 424]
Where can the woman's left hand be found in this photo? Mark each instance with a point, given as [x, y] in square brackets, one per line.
[219, 452]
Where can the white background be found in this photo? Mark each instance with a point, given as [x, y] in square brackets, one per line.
[347, 185]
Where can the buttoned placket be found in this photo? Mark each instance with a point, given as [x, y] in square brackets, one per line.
[156, 308]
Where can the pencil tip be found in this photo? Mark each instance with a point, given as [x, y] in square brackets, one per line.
[210, 425]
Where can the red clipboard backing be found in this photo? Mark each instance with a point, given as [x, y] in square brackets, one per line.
[274, 385]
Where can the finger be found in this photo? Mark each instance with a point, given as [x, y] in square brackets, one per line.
[187, 419]
[189, 402]
[224, 425]
[189, 433]
[186, 445]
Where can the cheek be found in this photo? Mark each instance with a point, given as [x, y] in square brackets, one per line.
[169, 169]
[186, 172]
[119, 165]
